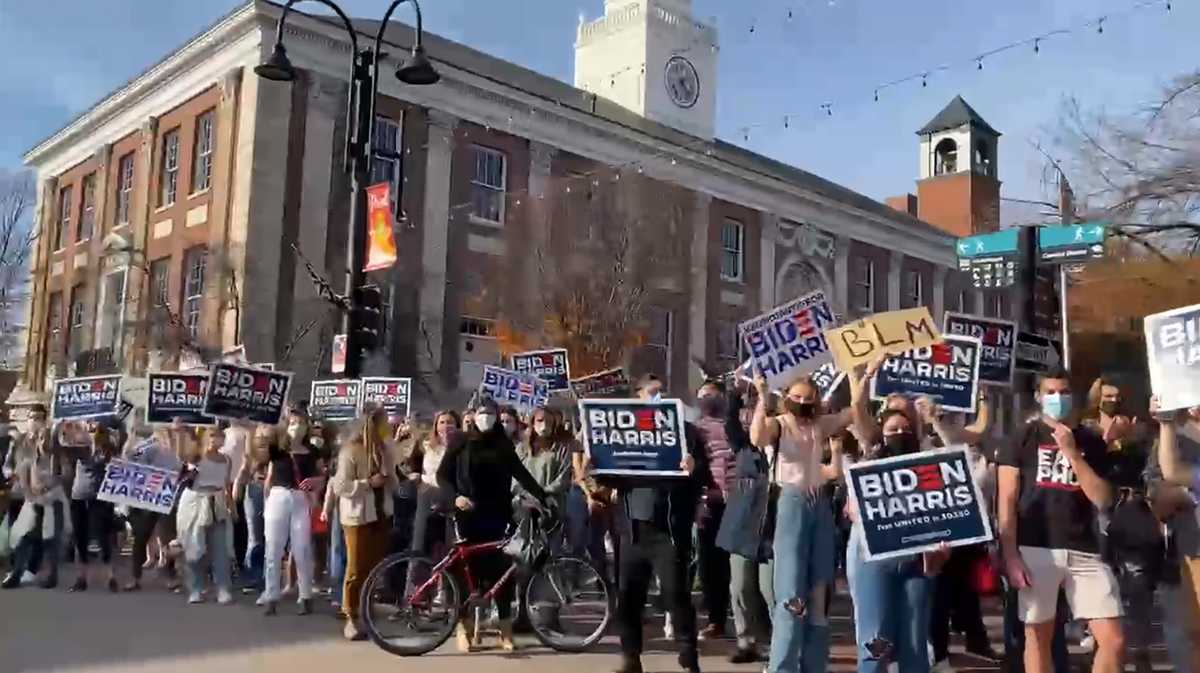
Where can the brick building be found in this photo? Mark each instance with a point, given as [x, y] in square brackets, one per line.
[170, 208]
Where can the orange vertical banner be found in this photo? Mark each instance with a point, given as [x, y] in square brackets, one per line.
[381, 244]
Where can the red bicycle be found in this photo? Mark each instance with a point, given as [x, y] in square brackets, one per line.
[411, 605]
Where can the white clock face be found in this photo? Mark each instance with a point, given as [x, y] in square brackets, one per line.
[683, 83]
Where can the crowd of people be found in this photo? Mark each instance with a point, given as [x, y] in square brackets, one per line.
[1094, 513]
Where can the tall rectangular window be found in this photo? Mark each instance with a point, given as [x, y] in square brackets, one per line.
[75, 320]
[124, 188]
[160, 282]
[488, 184]
[658, 339]
[386, 157]
[964, 302]
[202, 151]
[87, 208]
[54, 324]
[168, 168]
[195, 264]
[912, 290]
[63, 224]
[727, 340]
[864, 285]
[109, 316]
[733, 256]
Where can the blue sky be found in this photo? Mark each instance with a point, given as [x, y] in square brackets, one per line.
[57, 57]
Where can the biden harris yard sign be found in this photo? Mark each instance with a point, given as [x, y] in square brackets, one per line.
[914, 503]
[1173, 351]
[998, 337]
[788, 342]
[241, 392]
[948, 372]
[89, 397]
[634, 437]
[175, 395]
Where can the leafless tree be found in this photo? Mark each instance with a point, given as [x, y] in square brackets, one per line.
[1140, 170]
[17, 236]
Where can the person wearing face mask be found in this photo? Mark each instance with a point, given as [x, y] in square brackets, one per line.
[804, 525]
[1051, 487]
[92, 518]
[713, 560]
[1174, 478]
[477, 473]
[511, 422]
[1133, 543]
[657, 537]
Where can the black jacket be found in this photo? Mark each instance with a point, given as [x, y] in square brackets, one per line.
[747, 527]
[482, 466]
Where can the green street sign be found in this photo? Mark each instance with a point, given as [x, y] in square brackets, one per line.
[1072, 243]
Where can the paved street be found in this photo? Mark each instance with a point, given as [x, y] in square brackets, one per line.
[99, 632]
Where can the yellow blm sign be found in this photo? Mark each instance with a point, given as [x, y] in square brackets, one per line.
[894, 332]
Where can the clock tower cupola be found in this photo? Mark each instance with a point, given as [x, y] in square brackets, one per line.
[652, 57]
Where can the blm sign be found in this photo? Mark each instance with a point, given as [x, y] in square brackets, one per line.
[608, 383]
[1173, 352]
[549, 365]
[87, 397]
[913, 503]
[525, 392]
[393, 394]
[334, 400]
[246, 393]
[999, 339]
[788, 342]
[947, 371]
[634, 437]
[175, 395]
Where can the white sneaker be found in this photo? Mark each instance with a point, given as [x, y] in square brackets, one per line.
[224, 597]
[942, 666]
[195, 597]
[262, 599]
[28, 578]
[1088, 644]
[668, 628]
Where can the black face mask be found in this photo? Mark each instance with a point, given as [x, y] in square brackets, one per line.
[1110, 407]
[800, 409]
[899, 444]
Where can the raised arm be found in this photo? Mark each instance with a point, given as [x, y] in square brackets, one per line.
[865, 427]
[737, 436]
[764, 431]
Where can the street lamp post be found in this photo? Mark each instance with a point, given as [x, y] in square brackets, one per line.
[360, 120]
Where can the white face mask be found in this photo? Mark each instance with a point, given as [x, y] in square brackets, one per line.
[484, 422]
[540, 428]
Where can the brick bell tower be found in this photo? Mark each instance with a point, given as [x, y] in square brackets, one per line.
[958, 190]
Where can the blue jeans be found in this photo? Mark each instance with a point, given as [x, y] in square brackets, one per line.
[892, 603]
[804, 559]
[256, 546]
[216, 543]
[337, 559]
[585, 531]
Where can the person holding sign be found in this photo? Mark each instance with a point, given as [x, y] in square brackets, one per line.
[477, 473]
[1051, 490]
[893, 596]
[204, 520]
[804, 529]
[92, 518]
[1174, 477]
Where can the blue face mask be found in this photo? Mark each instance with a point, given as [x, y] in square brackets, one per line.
[656, 397]
[1056, 405]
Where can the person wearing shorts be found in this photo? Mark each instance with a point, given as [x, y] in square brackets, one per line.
[1051, 489]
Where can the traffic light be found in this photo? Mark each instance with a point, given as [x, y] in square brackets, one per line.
[366, 317]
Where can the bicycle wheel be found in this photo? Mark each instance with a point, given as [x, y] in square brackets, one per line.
[408, 609]
[570, 604]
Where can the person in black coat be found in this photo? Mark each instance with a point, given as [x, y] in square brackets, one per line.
[657, 537]
[477, 473]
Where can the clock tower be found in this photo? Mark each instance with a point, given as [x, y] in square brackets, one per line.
[652, 57]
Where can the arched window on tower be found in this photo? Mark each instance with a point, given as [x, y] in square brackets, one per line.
[983, 158]
[945, 157]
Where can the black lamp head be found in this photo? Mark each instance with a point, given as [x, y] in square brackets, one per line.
[417, 70]
[277, 67]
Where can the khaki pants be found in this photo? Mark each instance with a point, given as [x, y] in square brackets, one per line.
[365, 547]
[1190, 591]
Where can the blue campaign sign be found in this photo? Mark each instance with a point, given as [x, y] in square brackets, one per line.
[87, 397]
[177, 395]
[335, 400]
[999, 340]
[913, 503]
[524, 392]
[634, 437]
[139, 486]
[788, 342]
[393, 394]
[1072, 243]
[246, 393]
[552, 366]
[947, 371]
